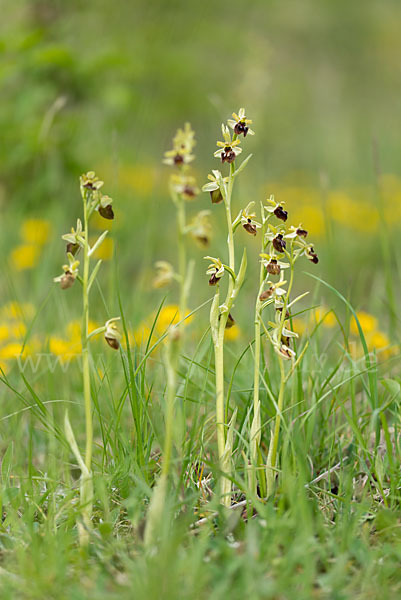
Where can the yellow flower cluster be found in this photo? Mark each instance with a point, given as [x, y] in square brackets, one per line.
[34, 234]
[232, 333]
[140, 178]
[13, 317]
[69, 346]
[169, 315]
[319, 316]
[376, 340]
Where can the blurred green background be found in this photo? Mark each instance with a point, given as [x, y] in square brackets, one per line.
[105, 85]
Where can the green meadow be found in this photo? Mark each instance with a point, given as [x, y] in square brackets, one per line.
[174, 427]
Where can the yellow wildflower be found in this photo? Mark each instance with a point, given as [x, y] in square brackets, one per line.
[11, 350]
[17, 329]
[64, 348]
[74, 329]
[378, 341]
[71, 345]
[299, 325]
[325, 315]
[140, 336]
[140, 178]
[169, 315]
[35, 231]
[4, 332]
[25, 256]
[351, 212]
[367, 321]
[16, 310]
[232, 333]
[311, 217]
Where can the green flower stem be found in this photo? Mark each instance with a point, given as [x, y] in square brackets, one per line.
[231, 249]
[85, 345]
[256, 424]
[224, 453]
[272, 455]
[220, 412]
[87, 483]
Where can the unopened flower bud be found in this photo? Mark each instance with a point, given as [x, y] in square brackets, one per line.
[216, 196]
[112, 335]
[112, 342]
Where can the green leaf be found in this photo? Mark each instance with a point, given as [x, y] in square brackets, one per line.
[6, 463]
[392, 385]
[242, 165]
[9, 494]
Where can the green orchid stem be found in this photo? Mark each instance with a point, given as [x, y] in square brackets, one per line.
[87, 485]
[85, 346]
[220, 409]
[272, 455]
[224, 453]
[256, 423]
[231, 249]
